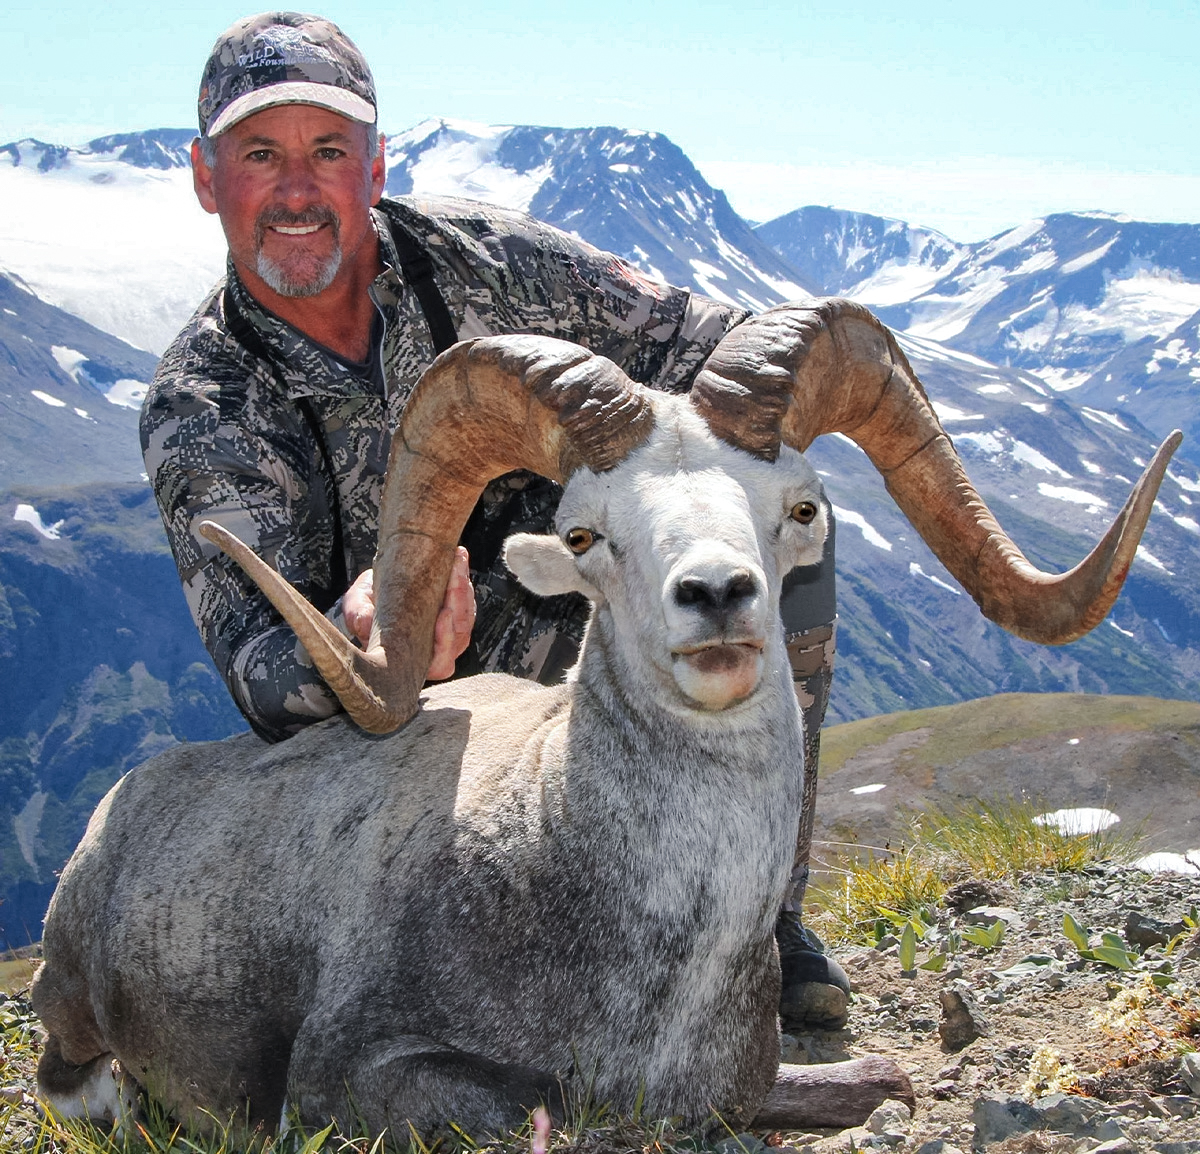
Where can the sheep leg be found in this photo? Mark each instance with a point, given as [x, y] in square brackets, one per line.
[414, 1080]
[837, 1094]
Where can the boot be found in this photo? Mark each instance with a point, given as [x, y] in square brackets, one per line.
[816, 992]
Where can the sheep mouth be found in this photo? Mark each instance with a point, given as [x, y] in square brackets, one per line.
[717, 652]
[718, 674]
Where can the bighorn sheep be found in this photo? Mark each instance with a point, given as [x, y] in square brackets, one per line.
[438, 923]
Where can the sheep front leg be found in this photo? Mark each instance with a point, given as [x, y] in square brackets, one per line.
[413, 1080]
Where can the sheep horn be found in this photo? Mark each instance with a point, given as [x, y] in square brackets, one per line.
[483, 408]
[798, 371]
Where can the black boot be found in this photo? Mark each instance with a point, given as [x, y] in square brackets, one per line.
[816, 992]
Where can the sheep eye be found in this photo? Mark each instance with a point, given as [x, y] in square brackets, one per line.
[804, 512]
[580, 540]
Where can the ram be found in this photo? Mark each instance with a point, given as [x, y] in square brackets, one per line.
[475, 893]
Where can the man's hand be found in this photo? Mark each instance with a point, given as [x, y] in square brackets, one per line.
[358, 606]
[455, 619]
[451, 630]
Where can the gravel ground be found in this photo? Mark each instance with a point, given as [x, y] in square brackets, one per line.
[992, 1040]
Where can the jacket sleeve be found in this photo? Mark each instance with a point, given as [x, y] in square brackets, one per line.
[206, 459]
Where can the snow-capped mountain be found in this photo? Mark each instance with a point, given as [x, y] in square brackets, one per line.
[1063, 297]
[629, 192]
[872, 259]
[1159, 380]
[110, 232]
[70, 396]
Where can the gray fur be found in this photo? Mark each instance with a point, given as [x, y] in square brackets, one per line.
[524, 884]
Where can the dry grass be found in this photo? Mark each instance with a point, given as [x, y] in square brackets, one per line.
[988, 840]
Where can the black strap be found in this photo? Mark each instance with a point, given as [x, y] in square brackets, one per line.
[417, 270]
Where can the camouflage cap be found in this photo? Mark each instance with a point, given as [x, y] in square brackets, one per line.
[283, 58]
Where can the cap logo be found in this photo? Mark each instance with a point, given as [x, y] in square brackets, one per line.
[286, 46]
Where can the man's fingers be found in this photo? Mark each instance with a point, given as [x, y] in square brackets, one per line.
[455, 620]
[358, 606]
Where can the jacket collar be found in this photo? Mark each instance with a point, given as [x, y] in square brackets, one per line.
[305, 367]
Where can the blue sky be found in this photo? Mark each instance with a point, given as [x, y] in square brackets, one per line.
[967, 118]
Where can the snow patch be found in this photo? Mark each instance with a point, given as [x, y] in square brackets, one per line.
[988, 443]
[950, 413]
[127, 394]
[1062, 380]
[31, 516]
[860, 789]
[1028, 455]
[47, 399]
[870, 534]
[1176, 863]
[1078, 822]
[1103, 418]
[1081, 262]
[1123, 632]
[1150, 559]
[69, 360]
[915, 570]
[1075, 496]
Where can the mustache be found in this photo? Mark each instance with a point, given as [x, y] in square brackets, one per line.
[314, 214]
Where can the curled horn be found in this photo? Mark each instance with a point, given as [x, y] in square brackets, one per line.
[798, 371]
[482, 409]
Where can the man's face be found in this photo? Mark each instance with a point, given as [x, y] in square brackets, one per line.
[293, 186]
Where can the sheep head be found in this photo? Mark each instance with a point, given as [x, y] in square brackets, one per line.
[682, 550]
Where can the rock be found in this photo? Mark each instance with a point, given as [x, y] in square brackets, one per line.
[745, 1143]
[966, 895]
[1189, 1071]
[998, 1116]
[889, 1116]
[962, 1019]
[837, 1094]
[1120, 1145]
[1144, 931]
[990, 915]
[1068, 1113]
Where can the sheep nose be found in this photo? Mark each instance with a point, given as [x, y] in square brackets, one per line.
[717, 594]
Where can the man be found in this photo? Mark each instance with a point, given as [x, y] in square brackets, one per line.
[271, 412]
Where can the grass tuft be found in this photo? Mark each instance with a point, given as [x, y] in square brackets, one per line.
[996, 841]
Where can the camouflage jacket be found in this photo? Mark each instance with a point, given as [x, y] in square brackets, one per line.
[258, 443]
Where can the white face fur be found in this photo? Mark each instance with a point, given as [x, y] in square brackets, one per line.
[683, 547]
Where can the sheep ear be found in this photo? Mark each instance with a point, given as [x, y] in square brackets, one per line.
[545, 566]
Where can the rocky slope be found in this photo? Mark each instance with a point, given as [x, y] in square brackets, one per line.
[1027, 1046]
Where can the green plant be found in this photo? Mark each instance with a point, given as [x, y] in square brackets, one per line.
[986, 937]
